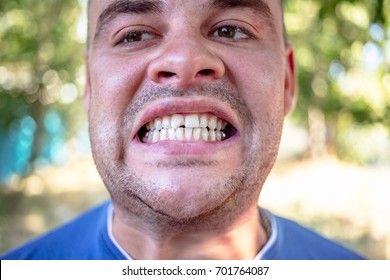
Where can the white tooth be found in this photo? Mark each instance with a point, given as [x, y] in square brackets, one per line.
[163, 134]
[213, 135]
[166, 122]
[177, 121]
[156, 136]
[192, 121]
[151, 125]
[180, 134]
[213, 123]
[171, 134]
[205, 134]
[158, 123]
[196, 134]
[219, 125]
[219, 135]
[188, 134]
[204, 121]
[223, 135]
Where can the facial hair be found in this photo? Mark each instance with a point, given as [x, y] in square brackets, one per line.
[135, 196]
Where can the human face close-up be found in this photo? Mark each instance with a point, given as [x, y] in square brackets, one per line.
[186, 101]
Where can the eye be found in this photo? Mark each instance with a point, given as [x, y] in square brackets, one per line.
[137, 36]
[232, 32]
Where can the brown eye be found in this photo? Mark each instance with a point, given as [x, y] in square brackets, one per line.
[227, 32]
[137, 36]
[231, 32]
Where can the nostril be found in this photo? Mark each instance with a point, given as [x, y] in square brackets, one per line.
[165, 74]
[206, 72]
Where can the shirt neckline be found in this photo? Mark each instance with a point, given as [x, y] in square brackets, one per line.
[268, 221]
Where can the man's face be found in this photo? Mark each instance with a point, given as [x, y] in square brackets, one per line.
[186, 101]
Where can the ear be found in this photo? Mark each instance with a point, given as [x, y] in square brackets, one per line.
[290, 90]
[87, 88]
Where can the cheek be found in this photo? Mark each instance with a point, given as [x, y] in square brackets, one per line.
[261, 84]
[113, 86]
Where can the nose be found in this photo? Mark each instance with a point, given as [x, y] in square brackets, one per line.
[185, 63]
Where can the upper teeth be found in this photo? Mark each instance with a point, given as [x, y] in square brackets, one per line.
[192, 127]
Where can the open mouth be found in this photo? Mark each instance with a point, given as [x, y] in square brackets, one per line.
[186, 128]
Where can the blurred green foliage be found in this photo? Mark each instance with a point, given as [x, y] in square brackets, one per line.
[40, 60]
[342, 50]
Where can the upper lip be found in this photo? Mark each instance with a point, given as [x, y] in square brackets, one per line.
[185, 106]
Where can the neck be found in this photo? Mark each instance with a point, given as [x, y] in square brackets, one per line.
[241, 239]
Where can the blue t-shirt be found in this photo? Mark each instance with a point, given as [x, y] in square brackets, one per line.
[89, 237]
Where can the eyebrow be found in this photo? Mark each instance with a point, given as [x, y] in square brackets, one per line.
[127, 7]
[157, 7]
[258, 5]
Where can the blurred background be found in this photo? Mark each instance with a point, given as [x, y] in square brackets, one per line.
[333, 171]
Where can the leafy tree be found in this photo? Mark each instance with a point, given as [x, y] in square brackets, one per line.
[343, 53]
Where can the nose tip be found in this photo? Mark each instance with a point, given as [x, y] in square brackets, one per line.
[185, 65]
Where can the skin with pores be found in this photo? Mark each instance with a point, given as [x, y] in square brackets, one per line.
[152, 59]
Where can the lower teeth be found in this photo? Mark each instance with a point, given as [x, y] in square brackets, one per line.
[185, 134]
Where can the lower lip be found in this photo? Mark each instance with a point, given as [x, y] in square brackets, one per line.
[183, 148]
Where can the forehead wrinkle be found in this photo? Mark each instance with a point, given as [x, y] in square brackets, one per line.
[127, 7]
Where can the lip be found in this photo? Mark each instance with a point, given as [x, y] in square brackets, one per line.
[186, 105]
[175, 148]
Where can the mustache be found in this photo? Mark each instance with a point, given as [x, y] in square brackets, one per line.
[220, 91]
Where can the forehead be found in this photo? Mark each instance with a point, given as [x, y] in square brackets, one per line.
[100, 10]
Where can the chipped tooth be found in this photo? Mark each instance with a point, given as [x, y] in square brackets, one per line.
[196, 133]
[163, 134]
[180, 134]
[191, 121]
[171, 134]
[188, 133]
[158, 123]
[205, 134]
[156, 136]
[213, 123]
[166, 122]
[203, 121]
[213, 135]
[177, 121]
